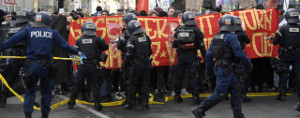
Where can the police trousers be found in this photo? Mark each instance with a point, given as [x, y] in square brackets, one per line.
[139, 79]
[186, 61]
[224, 84]
[290, 58]
[38, 71]
[88, 71]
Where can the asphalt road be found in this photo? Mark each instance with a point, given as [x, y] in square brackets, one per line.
[260, 107]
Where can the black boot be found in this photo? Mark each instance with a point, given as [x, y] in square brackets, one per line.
[245, 98]
[198, 111]
[98, 106]
[129, 106]
[196, 100]
[3, 98]
[71, 103]
[297, 107]
[238, 115]
[45, 116]
[145, 106]
[281, 97]
[177, 99]
[282, 94]
[27, 115]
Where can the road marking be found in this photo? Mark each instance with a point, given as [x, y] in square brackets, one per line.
[86, 108]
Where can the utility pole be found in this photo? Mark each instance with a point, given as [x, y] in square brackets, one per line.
[60, 4]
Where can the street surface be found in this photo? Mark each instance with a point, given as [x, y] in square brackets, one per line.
[260, 107]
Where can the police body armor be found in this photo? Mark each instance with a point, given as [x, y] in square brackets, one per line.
[141, 43]
[186, 37]
[219, 49]
[90, 47]
[291, 36]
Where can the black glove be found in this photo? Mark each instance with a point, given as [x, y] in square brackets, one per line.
[175, 44]
[249, 67]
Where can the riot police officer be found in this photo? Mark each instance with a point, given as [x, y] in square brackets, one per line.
[122, 46]
[239, 68]
[16, 65]
[138, 57]
[188, 39]
[3, 32]
[223, 48]
[92, 46]
[40, 40]
[287, 36]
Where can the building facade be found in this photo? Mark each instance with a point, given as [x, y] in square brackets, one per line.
[87, 6]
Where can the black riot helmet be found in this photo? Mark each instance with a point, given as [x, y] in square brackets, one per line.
[188, 18]
[227, 23]
[128, 17]
[2, 14]
[89, 29]
[42, 19]
[23, 16]
[238, 22]
[292, 15]
[134, 27]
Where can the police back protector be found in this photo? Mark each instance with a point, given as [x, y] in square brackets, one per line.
[185, 35]
[219, 48]
[89, 46]
[291, 38]
[141, 48]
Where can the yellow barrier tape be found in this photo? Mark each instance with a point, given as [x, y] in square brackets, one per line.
[15, 93]
[56, 58]
[59, 104]
[120, 102]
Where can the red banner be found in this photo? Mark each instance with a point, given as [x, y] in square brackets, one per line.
[259, 24]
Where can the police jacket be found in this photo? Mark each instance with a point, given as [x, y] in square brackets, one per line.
[139, 48]
[91, 46]
[243, 38]
[288, 36]
[39, 42]
[233, 44]
[191, 44]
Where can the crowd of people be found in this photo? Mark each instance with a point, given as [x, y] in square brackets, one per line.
[116, 84]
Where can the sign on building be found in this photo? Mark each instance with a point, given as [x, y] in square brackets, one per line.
[11, 2]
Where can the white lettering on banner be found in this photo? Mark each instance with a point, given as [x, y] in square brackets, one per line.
[41, 34]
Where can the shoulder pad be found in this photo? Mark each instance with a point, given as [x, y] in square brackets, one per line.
[186, 29]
